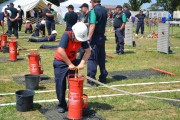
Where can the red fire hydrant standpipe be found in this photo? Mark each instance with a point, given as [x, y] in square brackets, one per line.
[35, 63]
[3, 41]
[13, 52]
[76, 99]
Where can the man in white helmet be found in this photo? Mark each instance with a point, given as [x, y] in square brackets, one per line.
[51, 38]
[39, 28]
[65, 59]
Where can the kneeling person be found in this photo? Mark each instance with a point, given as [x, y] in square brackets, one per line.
[28, 27]
[39, 28]
[52, 38]
[65, 59]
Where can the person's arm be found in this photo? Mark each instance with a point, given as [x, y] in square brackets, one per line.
[124, 19]
[92, 22]
[17, 16]
[86, 56]
[48, 14]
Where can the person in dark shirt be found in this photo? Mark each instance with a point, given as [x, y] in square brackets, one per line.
[21, 17]
[39, 28]
[2, 15]
[70, 18]
[50, 22]
[127, 12]
[119, 27]
[96, 37]
[51, 38]
[13, 20]
[140, 23]
[85, 10]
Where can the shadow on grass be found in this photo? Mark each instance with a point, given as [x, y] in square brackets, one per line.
[129, 52]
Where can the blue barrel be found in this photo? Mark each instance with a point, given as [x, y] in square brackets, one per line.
[163, 20]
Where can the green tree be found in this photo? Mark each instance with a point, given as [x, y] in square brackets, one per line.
[136, 4]
[168, 4]
[56, 2]
[154, 7]
[1, 1]
[128, 5]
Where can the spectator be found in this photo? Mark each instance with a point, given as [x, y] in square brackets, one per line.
[50, 22]
[71, 18]
[97, 24]
[119, 27]
[127, 12]
[39, 13]
[32, 13]
[140, 23]
[21, 17]
[13, 20]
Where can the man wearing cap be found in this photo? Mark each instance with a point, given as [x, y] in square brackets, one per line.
[85, 10]
[39, 28]
[140, 23]
[119, 27]
[65, 59]
[50, 22]
[13, 20]
[21, 16]
[51, 38]
[70, 18]
[96, 37]
[127, 12]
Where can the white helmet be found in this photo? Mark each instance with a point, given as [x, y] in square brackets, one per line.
[80, 31]
[43, 22]
[9, 12]
[27, 21]
[18, 9]
[54, 32]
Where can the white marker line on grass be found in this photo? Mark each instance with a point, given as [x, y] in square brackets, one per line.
[100, 96]
[121, 85]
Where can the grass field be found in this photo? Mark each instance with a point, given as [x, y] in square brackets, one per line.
[144, 56]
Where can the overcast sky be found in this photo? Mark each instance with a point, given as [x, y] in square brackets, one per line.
[121, 2]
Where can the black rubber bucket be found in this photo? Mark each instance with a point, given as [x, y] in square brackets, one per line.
[24, 100]
[32, 81]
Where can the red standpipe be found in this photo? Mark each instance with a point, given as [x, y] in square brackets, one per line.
[13, 53]
[3, 41]
[76, 99]
[35, 63]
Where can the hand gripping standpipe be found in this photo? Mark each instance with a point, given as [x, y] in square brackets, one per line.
[35, 63]
[76, 99]
[13, 52]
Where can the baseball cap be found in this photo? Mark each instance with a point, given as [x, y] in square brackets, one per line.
[70, 6]
[84, 5]
[119, 6]
[80, 31]
[54, 32]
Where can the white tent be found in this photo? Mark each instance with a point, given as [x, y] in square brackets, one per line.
[75, 3]
[28, 5]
